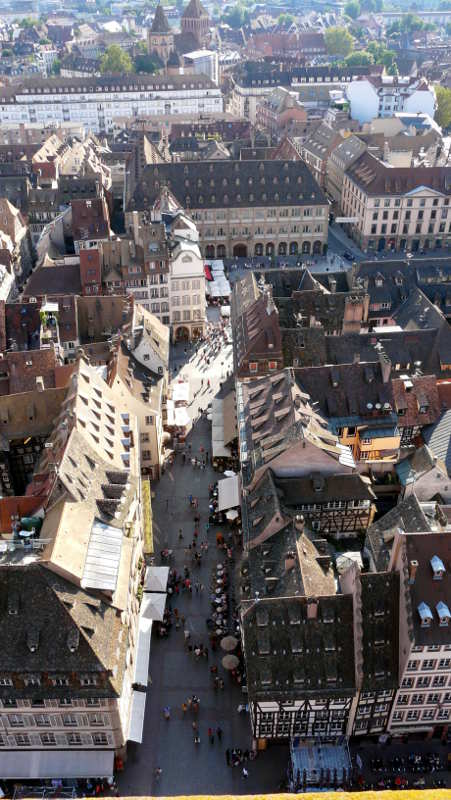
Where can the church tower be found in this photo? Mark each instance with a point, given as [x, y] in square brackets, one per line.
[160, 39]
[195, 20]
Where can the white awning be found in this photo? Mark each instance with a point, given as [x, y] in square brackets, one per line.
[229, 493]
[181, 417]
[180, 392]
[20, 764]
[156, 579]
[135, 730]
[141, 676]
[153, 605]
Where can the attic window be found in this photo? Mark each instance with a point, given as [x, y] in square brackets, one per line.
[438, 568]
[425, 615]
[444, 614]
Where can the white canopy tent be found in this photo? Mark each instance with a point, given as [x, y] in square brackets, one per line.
[229, 493]
[153, 605]
[180, 392]
[135, 730]
[32, 763]
[156, 579]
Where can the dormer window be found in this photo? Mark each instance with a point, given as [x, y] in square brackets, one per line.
[443, 613]
[425, 615]
[438, 568]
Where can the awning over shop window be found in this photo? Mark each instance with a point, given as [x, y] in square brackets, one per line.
[208, 274]
[135, 731]
[57, 764]
[180, 392]
[142, 659]
[156, 579]
[223, 425]
[153, 605]
[229, 491]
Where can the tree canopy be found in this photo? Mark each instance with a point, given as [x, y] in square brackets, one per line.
[236, 17]
[352, 9]
[358, 58]
[116, 60]
[285, 19]
[443, 113]
[339, 41]
[144, 63]
[409, 24]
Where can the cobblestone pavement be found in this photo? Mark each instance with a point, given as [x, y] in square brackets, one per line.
[175, 675]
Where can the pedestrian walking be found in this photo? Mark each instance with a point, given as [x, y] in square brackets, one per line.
[184, 708]
[180, 534]
[197, 739]
[219, 733]
[245, 773]
[167, 712]
[157, 772]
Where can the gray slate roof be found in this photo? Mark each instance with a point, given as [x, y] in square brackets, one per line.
[438, 439]
[219, 184]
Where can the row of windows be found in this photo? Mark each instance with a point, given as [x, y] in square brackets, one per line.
[11, 702]
[49, 739]
[35, 680]
[185, 316]
[45, 721]
[423, 682]
[442, 714]
[185, 285]
[405, 229]
[258, 213]
[421, 699]
[428, 663]
[186, 300]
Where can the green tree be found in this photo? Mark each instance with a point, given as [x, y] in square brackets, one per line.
[352, 9]
[339, 41]
[358, 58]
[236, 17]
[286, 19]
[144, 63]
[28, 22]
[443, 112]
[381, 55]
[115, 60]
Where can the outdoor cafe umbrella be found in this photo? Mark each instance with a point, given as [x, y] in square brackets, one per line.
[230, 662]
[229, 643]
[232, 514]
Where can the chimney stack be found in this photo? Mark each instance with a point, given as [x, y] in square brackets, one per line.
[312, 608]
[413, 566]
[299, 523]
[385, 367]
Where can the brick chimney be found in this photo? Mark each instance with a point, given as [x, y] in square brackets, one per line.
[312, 608]
[413, 566]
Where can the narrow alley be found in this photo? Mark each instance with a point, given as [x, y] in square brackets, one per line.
[175, 674]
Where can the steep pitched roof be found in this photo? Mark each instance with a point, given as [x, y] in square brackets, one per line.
[194, 10]
[438, 439]
[49, 624]
[160, 22]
